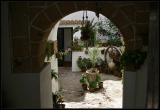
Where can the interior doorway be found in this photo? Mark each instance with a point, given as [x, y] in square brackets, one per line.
[64, 38]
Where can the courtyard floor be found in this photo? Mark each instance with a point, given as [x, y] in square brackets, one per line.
[74, 96]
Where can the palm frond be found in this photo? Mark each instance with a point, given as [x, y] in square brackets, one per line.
[76, 29]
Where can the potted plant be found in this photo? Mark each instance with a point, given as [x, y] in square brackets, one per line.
[98, 80]
[88, 32]
[84, 63]
[49, 50]
[83, 81]
[54, 74]
[93, 55]
[81, 64]
[92, 74]
[96, 84]
[93, 85]
[132, 59]
[58, 101]
[54, 98]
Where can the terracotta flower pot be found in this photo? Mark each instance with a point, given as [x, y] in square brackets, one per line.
[84, 86]
[60, 106]
[92, 73]
[101, 85]
[91, 89]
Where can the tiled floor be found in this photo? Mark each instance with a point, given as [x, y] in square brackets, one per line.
[109, 97]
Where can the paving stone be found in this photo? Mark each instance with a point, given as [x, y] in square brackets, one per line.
[107, 98]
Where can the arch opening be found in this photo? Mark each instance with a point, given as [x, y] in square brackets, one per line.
[107, 35]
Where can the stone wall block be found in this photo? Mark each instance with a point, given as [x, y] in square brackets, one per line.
[20, 47]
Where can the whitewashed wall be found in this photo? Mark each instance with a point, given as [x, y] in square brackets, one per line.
[45, 82]
[54, 61]
[54, 65]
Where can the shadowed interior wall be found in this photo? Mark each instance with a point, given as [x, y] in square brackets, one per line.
[21, 90]
[153, 70]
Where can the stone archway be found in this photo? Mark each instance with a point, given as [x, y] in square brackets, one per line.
[118, 14]
[46, 19]
[131, 19]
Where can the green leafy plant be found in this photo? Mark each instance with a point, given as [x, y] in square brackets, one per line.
[57, 98]
[93, 84]
[115, 41]
[54, 74]
[60, 54]
[101, 65]
[94, 53]
[77, 45]
[83, 79]
[49, 50]
[98, 78]
[132, 58]
[84, 63]
[88, 33]
[96, 84]
[88, 30]
[99, 62]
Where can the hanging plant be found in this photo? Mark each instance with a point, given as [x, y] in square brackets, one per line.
[49, 50]
[88, 33]
[132, 60]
